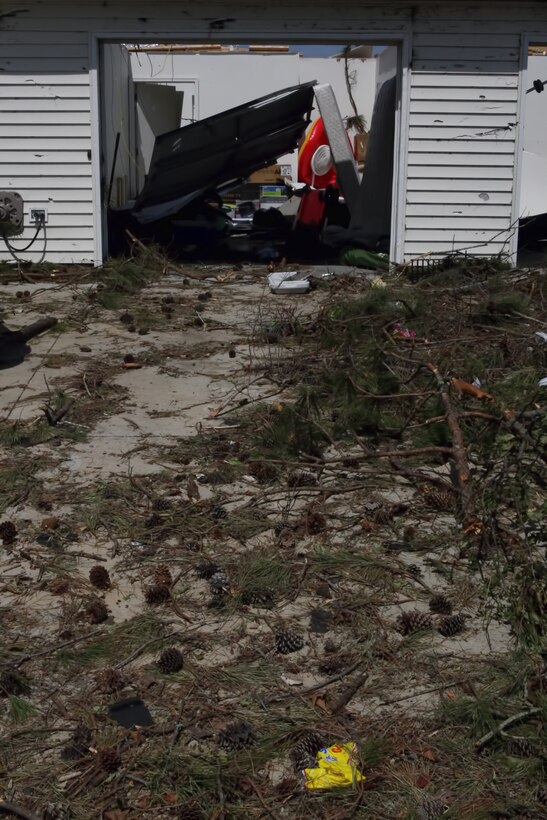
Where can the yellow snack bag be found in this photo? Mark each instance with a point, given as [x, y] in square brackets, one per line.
[335, 768]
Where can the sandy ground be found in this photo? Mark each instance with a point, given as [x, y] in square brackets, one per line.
[197, 368]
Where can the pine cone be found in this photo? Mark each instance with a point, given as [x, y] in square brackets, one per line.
[414, 621]
[97, 611]
[520, 747]
[219, 476]
[440, 605]
[79, 744]
[58, 586]
[430, 809]
[219, 583]
[218, 601]
[383, 515]
[438, 499]
[258, 597]
[262, 471]
[237, 735]
[190, 811]
[334, 663]
[287, 538]
[192, 546]
[414, 570]
[452, 625]
[161, 504]
[156, 594]
[206, 569]
[218, 512]
[110, 680]
[304, 753]
[153, 520]
[13, 683]
[109, 760]
[162, 576]
[170, 660]
[287, 641]
[99, 577]
[301, 479]
[315, 522]
[8, 532]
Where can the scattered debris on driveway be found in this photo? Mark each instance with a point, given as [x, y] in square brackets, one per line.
[304, 522]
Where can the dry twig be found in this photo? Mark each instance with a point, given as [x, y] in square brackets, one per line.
[459, 451]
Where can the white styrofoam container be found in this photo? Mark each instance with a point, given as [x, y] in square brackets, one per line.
[284, 282]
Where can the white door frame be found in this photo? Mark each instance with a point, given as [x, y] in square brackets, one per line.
[401, 39]
[526, 41]
[519, 145]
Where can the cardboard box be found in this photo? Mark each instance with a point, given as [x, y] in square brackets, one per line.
[266, 176]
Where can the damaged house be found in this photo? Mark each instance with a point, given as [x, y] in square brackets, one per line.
[444, 168]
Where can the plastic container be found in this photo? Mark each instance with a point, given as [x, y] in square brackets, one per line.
[284, 282]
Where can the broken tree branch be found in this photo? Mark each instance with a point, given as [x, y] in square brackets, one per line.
[141, 649]
[346, 696]
[459, 450]
[55, 416]
[426, 691]
[17, 811]
[516, 426]
[418, 475]
[58, 646]
[418, 451]
[311, 689]
[511, 721]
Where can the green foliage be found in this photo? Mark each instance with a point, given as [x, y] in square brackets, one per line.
[373, 750]
[87, 656]
[16, 478]
[376, 301]
[293, 430]
[499, 307]
[260, 571]
[518, 389]
[19, 709]
[20, 435]
[507, 302]
[432, 435]
[519, 595]
[122, 276]
[476, 715]
[29, 435]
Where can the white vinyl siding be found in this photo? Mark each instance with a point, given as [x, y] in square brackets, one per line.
[464, 92]
[45, 139]
[463, 127]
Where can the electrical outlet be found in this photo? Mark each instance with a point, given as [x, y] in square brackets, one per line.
[38, 216]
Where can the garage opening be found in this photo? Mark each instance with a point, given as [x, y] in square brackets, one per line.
[254, 152]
